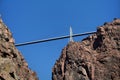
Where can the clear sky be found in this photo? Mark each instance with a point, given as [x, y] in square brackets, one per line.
[39, 19]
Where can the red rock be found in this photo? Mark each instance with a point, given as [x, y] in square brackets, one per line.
[94, 58]
[12, 64]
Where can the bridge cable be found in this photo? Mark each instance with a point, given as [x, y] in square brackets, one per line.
[54, 38]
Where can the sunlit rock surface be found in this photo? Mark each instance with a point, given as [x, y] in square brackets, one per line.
[12, 64]
[96, 57]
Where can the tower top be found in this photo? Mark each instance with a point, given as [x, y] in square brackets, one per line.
[1, 18]
[71, 34]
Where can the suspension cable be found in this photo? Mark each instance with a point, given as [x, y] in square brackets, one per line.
[54, 38]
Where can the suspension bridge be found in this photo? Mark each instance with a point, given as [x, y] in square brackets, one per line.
[55, 38]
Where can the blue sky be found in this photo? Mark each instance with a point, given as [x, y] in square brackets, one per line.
[40, 19]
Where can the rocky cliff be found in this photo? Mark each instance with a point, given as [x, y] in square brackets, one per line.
[96, 57]
[12, 64]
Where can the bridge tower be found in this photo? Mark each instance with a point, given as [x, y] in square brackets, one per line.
[71, 34]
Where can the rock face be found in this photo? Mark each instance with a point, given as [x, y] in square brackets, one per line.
[96, 57]
[12, 64]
